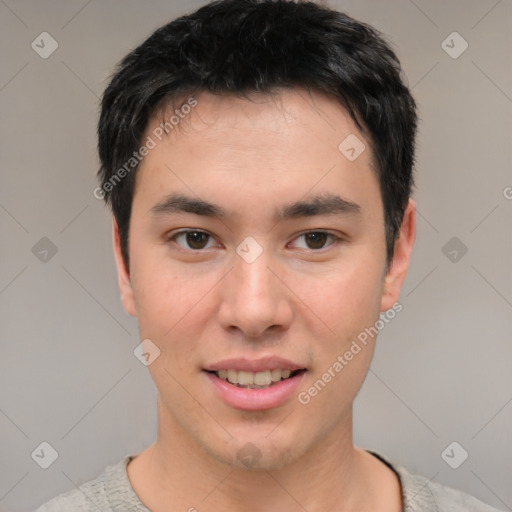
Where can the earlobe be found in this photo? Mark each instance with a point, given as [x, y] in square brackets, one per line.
[397, 271]
[123, 275]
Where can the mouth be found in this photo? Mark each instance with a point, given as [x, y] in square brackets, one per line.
[255, 380]
[255, 385]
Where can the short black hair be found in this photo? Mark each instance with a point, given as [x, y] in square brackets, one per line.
[243, 46]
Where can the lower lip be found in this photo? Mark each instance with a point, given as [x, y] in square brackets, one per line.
[255, 399]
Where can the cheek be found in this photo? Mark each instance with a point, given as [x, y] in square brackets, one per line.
[172, 309]
[164, 303]
[330, 392]
[346, 299]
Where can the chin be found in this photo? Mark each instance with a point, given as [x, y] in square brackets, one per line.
[253, 453]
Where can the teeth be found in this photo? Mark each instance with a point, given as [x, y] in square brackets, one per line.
[253, 380]
[276, 375]
[262, 378]
[233, 376]
[245, 378]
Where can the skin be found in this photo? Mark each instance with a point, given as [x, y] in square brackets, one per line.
[297, 300]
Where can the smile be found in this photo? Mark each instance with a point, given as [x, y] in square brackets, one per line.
[246, 394]
[255, 380]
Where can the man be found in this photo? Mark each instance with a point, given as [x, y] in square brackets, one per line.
[257, 156]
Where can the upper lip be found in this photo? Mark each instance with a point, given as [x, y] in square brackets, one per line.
[255, 365]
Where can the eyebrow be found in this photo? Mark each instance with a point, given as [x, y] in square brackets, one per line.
[319, 204]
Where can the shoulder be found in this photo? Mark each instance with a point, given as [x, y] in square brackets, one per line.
[450, 499]
[88, 496]
[108, 492]
[420, 494]
[72, 500]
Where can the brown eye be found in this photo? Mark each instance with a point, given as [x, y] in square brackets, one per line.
[315, 240]
[195, 240]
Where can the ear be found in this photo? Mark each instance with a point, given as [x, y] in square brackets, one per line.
[123, 275]
[397, 271]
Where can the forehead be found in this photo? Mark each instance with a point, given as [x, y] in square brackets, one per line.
[275, 116]
[291, 141]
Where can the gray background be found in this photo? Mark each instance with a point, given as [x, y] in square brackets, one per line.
[441, 371]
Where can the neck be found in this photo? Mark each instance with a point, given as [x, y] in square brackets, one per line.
[177, 471]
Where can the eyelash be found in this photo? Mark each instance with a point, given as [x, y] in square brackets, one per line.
[173, 237]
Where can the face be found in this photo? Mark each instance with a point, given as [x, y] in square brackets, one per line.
[257, 257]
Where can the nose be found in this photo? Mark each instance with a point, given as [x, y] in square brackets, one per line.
[255, 300]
